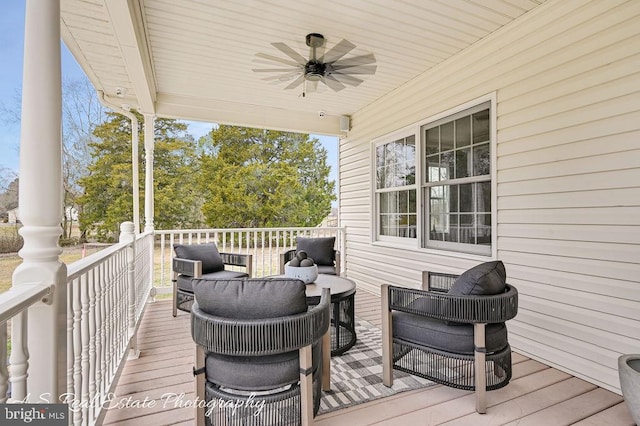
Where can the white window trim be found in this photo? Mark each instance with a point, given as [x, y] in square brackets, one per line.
[414, 129]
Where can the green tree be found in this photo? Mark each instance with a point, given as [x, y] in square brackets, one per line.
[107, 198]
[263, 178]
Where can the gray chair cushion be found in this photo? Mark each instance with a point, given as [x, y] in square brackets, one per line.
[485, 279]
[208, 254]
[252, 298]
[256, 372]
[184, 281]
[320, 249]
[450, 338]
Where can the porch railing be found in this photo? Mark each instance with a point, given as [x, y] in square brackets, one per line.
[106, 296]
[265, 244]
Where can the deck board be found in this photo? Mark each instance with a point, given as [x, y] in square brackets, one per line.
[537, 393]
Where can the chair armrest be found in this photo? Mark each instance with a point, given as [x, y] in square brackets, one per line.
[286, 257]
[263, 336]
[465, 309]
[338, 262]
[191, 268]
[237, 259]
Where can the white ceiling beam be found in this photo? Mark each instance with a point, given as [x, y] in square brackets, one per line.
[241, 114]
[126, 20]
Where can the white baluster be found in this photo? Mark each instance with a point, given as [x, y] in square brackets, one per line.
[76, 307]
[85, 338]
[93, 368]
[4, 373]
[19, 359]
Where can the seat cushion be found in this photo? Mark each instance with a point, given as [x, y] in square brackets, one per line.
[208, 254]
[257, 373]
[485, 279]
[250, 298]
[319, 249]
[449, 338]
[184, 281]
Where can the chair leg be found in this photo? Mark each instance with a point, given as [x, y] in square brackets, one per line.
[480, 368]
[326, 361]
[199, 383]
[175, 297]
[387, 338]
[306, 386]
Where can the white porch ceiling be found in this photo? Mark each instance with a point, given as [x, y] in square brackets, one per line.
[193, 59]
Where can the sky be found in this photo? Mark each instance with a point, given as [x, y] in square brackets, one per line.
[11, 52]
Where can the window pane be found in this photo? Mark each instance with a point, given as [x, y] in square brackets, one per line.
[467, 231]
[384, 202]
[403, 202]
[481, 160]
[452, 235]
[379, 156]
[481, 126]
[453, 198]
[483, 232]
[433, 168]
[412, 201]
[437, 227]
[483, 197]
[432, 136]
[463, 132]
[446, 136]
[447, 165]
[466, 197]
[462, 162]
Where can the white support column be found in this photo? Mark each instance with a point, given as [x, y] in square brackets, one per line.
[41, 207]
[135, 140]
[149, 124]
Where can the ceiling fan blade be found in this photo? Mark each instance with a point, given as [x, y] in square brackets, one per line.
[360, 69]
[333, 83]
[346, 79]
[338, 51]
[274, 70]
[301, 60]
[356, 60]
[297, 82]
[282, 77]
[276, 59]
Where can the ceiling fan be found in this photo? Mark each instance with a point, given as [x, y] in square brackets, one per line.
[330, 68]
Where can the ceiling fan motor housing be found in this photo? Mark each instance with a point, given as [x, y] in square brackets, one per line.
[314, 70]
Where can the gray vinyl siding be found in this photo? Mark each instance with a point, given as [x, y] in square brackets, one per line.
[566, 79]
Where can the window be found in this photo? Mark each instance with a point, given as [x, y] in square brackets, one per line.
[433, 185]
[396, 188]
[456, 186]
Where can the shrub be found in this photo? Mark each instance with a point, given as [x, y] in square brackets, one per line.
[10, 242]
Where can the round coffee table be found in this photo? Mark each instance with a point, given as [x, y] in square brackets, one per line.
[343, 327]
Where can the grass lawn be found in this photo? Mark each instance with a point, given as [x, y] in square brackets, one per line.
[9, 262]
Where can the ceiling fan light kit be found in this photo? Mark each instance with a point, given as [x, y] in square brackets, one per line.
[330, 68]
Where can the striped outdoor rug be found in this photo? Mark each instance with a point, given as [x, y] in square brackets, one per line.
[356, 376]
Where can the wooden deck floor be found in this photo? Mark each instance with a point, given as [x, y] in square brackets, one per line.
[160, 383]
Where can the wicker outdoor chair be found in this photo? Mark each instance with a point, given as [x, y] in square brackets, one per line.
[258, 344]
[202, 261]
[454, 332]
[320, 249]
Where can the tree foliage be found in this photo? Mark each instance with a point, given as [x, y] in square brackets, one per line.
[107, 199]
[263, 178]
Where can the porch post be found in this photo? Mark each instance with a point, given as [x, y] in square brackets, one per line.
[149, 121]
[40, 199]
[127, 235]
